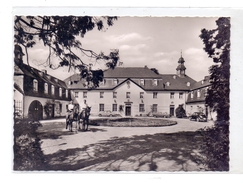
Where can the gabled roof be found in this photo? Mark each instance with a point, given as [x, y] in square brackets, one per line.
[34, 73]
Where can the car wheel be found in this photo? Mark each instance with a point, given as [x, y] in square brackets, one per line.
[100, 115]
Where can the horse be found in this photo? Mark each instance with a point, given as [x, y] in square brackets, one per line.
[84, 116]
[72, 117]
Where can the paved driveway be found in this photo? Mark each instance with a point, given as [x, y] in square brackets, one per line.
[124, 148]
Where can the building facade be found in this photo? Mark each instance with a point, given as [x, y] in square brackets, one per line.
[134, 91]
[37, 95]
[196, 99]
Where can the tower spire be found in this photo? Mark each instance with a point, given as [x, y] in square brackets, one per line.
[181, 67]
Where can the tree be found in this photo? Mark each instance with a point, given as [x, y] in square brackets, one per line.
[180, 111]
[60, 35]
[217, 45]
[216, 139]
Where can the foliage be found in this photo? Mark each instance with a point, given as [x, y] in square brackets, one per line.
[27, 151]
[216, 147]
[217, 45]
[180, 111]
[61, 35]
[47, 109]
[216, 139]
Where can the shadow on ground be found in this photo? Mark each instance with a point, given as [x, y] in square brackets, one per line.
[158, 152]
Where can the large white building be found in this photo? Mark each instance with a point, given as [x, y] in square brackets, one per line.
[132, 91]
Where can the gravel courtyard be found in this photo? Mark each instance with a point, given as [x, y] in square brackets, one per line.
[169, 148]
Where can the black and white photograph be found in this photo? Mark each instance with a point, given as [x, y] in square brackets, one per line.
[121, 93]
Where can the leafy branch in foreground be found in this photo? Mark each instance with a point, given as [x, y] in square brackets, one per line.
[60, 34]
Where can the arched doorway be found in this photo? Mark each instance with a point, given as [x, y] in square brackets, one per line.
[35, 110]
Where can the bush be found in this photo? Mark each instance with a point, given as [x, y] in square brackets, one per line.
[27, 150]
[216, 147]
[180, 112]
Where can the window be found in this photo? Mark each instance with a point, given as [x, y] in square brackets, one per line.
[128, 95]
[60, 92]
[35, 85]
[154, 107]
[192, 94]
[76, 94]
[198, 93]
[101, 94]
[114, 107]
[167, 83]
[102, 82]
[52, 90]
[114, 94]
[180, 95]
[172, 95]
[102, 107]
[115, 81]
[155, 94]
[141, 94]
[155, 82]
[66, 93]
[206, 92]
[188, 84]
[141, 81]
[141, 108]
[46, 88]
[84, 94]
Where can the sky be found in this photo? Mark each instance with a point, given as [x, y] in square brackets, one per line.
[157, 42]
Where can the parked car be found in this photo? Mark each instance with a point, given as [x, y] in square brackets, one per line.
[159, 114]
[105, 113]
[198, 116]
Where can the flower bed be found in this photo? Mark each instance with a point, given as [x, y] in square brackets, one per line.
[132, 122]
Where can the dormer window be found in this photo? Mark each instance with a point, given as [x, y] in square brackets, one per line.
[52, 90]
[115, 81]
[35, 85]
[60, 92]
[46, 88]
[102, 82]
[174, 77]
[188, 84]
[141, 81]
[192, 94]
[167, 83]
[155, 82]
[66, 93]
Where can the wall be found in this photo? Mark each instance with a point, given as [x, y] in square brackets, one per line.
[163, 99]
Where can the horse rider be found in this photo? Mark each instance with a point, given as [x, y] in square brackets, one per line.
[85, 105]
[70, 109]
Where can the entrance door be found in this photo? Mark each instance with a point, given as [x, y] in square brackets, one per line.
[172, 109]
[35, 110]
[128, 111]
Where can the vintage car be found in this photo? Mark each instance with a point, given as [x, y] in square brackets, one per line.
[198, 116]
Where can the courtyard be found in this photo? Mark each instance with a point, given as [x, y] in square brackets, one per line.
[103, 148]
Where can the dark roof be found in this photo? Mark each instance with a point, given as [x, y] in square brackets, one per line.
[135, 74]
[130, 72]
[37, 74]
[17, 87]
[202, 83]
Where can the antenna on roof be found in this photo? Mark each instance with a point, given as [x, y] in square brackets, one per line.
[181, 52]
